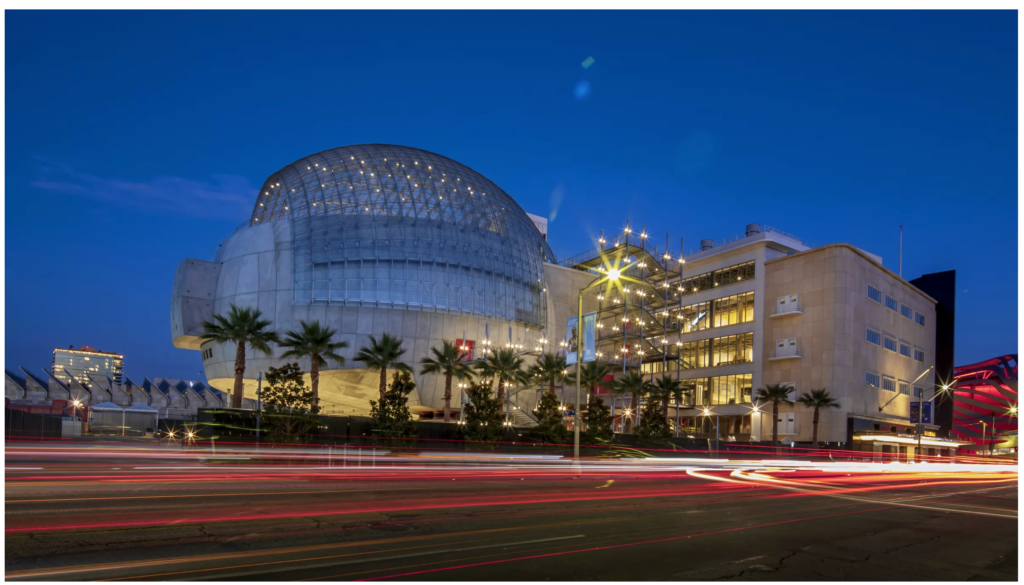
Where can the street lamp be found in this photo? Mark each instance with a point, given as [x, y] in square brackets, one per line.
[707, 412]
[611, 274]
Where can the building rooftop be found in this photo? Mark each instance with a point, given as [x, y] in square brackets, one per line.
[88, 350]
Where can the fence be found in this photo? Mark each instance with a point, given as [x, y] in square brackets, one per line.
[27, 425]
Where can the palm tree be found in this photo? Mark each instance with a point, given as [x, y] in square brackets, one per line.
[505, 367]
[549, 369]
[593, 373]
[315, 342]
[817, 399]
[635, 385]
[665, 388]
[240, 326]
[776, 394]
[448, 362]
[381, 355]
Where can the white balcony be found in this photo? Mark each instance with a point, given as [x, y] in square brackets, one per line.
[792, 353]
[788, 309]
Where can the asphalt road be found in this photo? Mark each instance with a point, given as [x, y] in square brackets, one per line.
[103, 513]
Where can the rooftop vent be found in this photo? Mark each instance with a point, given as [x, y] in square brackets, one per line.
[706, 245]
[753, 228]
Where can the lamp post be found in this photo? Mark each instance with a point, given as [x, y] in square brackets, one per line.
[707, 413]
[921, 413]
[259, 406]
[755, 409]
[992, 439]
[612, 275]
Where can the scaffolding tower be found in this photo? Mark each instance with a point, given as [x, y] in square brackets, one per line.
[640, 324]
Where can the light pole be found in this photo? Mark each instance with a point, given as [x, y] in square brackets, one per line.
[707, 413]
[611, 275]
[992, 439]
[920, 413]
[259, 406]
[755, 409]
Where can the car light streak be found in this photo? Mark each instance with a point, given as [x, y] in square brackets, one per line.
[479, 502]
[616, 546]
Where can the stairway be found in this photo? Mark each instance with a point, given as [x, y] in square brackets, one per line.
[523, 420]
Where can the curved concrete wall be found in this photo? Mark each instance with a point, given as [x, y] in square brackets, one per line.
[255, 268]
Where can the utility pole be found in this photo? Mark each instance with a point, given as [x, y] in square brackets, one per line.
[259, 405]
[901, 250]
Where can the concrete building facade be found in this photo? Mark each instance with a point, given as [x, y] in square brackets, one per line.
[829, 317]
[839, 320]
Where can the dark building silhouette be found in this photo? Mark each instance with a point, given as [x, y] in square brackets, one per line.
[941, 286]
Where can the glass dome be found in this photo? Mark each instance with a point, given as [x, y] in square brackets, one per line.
[398, 227]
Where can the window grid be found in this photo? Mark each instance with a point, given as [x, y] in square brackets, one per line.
[874, 294]
[904, 350]
[874, 337]
[871, 379]
[906, 311]
[892, 304]
[722, 312]
[918, 355]
[397, 227]
[890, 344]
[919, 318]
[904, 388]
[716, 278]
[735, 389]
[888, 384]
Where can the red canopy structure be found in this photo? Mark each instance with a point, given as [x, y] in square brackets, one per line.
[985, 400]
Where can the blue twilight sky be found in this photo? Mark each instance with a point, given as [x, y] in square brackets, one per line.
[137, 139]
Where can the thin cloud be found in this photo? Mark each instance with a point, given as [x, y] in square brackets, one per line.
[222, 197]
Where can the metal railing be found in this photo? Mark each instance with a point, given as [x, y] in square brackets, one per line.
[787, 353]
[797, 307]
[764, 228]
[517, 404]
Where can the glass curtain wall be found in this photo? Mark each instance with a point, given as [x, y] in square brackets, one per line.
[722, 312]
[397, 227]
[716, 278]
[717, 390]
[415, 264]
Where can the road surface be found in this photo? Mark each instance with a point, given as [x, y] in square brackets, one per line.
[110, 511]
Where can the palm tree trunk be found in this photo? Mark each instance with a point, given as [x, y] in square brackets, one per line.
[551, 386]
[501, 393]
[383, 382]
[239, 389]
[447, 397]
[314, 378]
[775, 423]
[664, 408]
[814, 433]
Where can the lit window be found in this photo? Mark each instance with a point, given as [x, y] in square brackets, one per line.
[871, 379]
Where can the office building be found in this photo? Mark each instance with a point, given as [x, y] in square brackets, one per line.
[84, 363]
